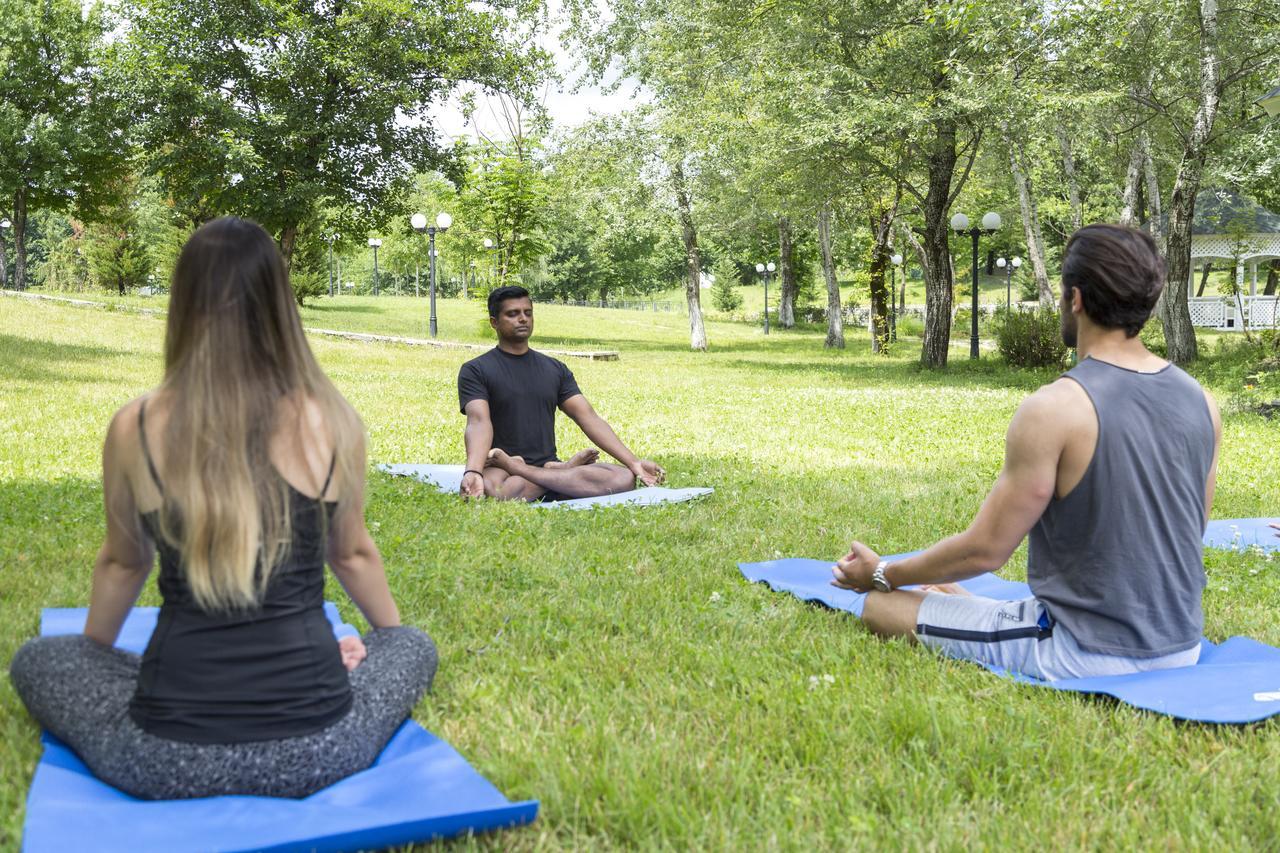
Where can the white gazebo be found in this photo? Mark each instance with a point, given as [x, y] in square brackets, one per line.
[1229, 227]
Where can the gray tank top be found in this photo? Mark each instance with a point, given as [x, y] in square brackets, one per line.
[1119, 561]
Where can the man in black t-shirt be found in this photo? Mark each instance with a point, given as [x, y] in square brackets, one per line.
[510, 395]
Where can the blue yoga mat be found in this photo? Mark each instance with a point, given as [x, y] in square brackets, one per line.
[419, 789]
[448, 479]
[1241, 534]
[1235, 682]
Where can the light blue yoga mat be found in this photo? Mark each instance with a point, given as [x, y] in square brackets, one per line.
[1241, 534]
[448, 479]
[419, 789]
[1235, 682]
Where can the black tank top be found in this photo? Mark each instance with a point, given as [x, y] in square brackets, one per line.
[271, 672]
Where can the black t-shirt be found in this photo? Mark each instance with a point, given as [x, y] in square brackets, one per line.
[523, 392]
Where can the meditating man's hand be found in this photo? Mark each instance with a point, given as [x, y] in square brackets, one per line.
[472, 485]
[353, 651]
[853, 570]
[648, 472]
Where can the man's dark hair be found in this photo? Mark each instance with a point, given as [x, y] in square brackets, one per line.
[1119, 273]
[502, 294]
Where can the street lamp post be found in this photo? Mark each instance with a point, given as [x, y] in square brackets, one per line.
[465, 294]
[990, 225]
[490, 246]
[374, 243]
[896, 260]
[419, 223]
[5, 225]
[1008, 266]
[765, 270]
[329, 240]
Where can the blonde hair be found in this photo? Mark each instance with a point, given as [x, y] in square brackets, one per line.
[236, 365]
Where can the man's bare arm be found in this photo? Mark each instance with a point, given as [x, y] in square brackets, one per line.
[478, 439]
[1033, 447]
[599, 433]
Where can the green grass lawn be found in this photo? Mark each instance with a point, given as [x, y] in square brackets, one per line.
[615, 665]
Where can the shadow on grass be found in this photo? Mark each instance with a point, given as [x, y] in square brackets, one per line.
[35, 360]
[322, 308]
[987, 373]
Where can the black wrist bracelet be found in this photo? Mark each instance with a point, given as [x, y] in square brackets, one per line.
[472, 471]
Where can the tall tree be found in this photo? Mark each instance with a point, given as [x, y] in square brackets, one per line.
[278, 110]
[1184, 60]
[61, 129]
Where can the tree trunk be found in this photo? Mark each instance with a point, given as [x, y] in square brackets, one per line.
[881, 225]
[692, 261]
[4, 260]
[1132, 185]
[20, 240]
[1273, 278]
[1069, 172]
[835, 320]
[1155, 219]
[786, 275]
[1175, 315]
[288, 240]
[1204, 278]
[1155, 212]
[1030, 221]
[937, 249]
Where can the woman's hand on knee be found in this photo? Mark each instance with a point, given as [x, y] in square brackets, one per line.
[353, 651]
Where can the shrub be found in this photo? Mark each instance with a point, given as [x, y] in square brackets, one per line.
[909, 326]
[308, 283]
[1152, 336]
[724, 294]
[1030, 337]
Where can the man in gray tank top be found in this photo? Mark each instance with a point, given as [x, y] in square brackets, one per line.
[1109, 470]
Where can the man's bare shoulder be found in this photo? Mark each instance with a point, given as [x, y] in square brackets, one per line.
[1061, 405]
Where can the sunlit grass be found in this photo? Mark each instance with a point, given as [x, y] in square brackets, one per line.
[615, 665]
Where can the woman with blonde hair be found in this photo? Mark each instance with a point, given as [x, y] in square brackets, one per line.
[245, 470]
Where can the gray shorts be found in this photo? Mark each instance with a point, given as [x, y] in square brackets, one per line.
[1019, 636]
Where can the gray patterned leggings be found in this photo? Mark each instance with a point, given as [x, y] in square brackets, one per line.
[80, 690]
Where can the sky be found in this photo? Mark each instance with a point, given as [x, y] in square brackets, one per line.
[566, 107]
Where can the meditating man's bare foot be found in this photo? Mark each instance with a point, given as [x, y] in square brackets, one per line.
[499, 458]
[945, 588]
[582, 457]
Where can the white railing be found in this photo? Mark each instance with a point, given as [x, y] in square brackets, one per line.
[1234, 313]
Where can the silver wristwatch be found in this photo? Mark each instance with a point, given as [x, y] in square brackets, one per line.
[878, 581]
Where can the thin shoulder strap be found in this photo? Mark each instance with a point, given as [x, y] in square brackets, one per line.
[146, 452]
[332, 462]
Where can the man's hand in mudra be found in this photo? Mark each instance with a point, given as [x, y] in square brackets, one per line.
[648, 472]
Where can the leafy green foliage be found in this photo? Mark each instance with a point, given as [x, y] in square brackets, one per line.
[277, 111]
[114, 248]
[1030, 337]
[609, 219]
[62, 140]
[724, 291]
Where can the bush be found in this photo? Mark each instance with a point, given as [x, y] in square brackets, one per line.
[1152, 336]
[911, 327]
[1030, 337]
[723, 293]
[308, 283]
